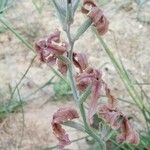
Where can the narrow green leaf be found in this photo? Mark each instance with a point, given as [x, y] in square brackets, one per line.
[75, 125]
[75, 4]
[85, 95]
[61, 12]
[87, 23]
[69, 14]
[5, 4]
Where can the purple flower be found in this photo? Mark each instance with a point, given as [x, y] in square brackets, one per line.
[90, 77]
[50, 47]
[99, 20]
[62, 67]
[61, 116]
[128, 134]
[87, 6]
[110, 116]
[80, 61]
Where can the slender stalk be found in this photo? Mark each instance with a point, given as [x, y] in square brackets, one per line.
[22, 77]
[75, 92]
[70, 67]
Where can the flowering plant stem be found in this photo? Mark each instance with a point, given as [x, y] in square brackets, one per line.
[76, 95]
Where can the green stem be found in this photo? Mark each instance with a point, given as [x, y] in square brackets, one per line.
[22, 78]
[75, 93]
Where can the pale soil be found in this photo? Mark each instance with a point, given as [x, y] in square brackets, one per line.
[127, 38]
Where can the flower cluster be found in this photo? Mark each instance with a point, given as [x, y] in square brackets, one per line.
[50, 48]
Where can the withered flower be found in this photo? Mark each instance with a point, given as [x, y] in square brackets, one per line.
[62, 67]
[113, 116]
[61, 116]
[45, 55]
[109, 112]
[110, 116]
[87, 6]
[50, 47]
[112, 101]
[128, 134]
[99, 20]
[80, 61]
[90, 77]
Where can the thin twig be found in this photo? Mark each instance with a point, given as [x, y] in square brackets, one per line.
[22, 77]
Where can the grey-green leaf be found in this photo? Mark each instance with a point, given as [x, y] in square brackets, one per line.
[74, 125]
[85, 95]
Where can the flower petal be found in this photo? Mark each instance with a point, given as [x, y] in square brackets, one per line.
[94, 98]
[50, 47]
[112, 101]
[110, 116]
[61, 116]
[128, 134]
[62, 67]
[100, 21]
[54, 37]
[57, 48]
[87, 5]
[80, 61]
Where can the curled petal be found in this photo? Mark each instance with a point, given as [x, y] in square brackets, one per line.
[47, 57]
[83, 80]
[91, 77]
[93, 102]
[57, 48]
[87, 77]
[44, 54]
[112, 101]
[62, 67]
[50, 47]
[87, 6]
[61, 116]
[111, 116]
[61, 135]
[100, 21]
[128, 134]
[54, 37]
[102, 26]
[82, 84]
[40, 45]
[80, 61]
[95, 14]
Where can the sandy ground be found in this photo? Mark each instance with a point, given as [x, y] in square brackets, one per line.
[127, 37]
